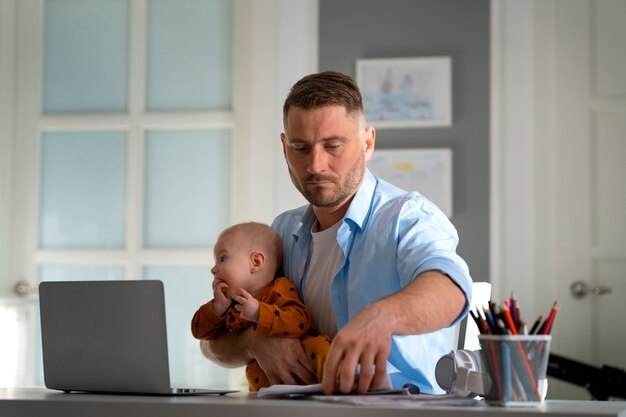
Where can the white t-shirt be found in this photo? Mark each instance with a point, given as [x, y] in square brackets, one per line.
[325, 257]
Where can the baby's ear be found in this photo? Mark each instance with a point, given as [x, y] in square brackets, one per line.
[257, 259]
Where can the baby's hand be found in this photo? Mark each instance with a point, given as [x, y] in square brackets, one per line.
[248, 305]
[221, 302]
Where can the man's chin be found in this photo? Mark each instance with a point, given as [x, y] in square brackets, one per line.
[325, 201]
[319, 198]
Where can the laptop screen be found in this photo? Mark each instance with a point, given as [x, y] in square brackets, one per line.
[104, 336]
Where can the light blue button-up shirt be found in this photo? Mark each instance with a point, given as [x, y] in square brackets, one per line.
[388, 237]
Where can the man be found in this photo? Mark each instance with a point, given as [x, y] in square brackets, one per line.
[375, 265]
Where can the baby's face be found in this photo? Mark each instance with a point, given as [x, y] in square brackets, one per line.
[232, 263]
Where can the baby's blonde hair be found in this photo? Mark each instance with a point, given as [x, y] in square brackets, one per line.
[262, 238]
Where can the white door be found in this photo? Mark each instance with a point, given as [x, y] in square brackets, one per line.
[124, 132]
[581, 178]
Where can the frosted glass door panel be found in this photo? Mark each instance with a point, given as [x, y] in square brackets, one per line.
[83, 186]
[189, 55]
[80, 273]
[187, 194]
[186, 289]
[85, 56]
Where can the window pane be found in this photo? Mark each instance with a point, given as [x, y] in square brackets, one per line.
[186, 289]
[80, 272]
[83, 185]
[85, 56]
[189, 55]
[187, 194]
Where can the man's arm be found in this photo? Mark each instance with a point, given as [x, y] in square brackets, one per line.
[281, 358]
[430, 302]
[227, 349]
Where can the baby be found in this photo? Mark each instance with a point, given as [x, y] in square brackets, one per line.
[247, 293]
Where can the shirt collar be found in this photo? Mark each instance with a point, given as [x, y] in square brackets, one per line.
[360, 206]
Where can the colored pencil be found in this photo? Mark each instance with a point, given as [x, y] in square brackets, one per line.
[514, 310]
[536, 325]
[507, 319]
[547, 326]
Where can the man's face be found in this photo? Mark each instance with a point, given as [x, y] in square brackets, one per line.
[326, 150]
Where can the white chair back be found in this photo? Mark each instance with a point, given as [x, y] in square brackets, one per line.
[467, 331]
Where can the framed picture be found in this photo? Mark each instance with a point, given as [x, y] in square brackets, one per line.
[427, 171]
[406, 92]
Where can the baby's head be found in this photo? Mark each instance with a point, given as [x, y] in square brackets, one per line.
[248, 256]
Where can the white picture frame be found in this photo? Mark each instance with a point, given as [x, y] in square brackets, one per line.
[425, 170]
[406, 92]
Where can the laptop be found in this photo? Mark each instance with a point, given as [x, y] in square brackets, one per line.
[107, 336]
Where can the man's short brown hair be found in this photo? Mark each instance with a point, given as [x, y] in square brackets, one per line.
[324, 89]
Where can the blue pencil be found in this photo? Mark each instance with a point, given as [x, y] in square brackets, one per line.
[505, 363]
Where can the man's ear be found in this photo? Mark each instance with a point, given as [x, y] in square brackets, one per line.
[257, 260]
[369, 142]
[283, 138]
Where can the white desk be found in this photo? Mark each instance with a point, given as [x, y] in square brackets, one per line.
[42, 402]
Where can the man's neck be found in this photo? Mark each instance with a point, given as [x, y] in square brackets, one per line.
[328, 216]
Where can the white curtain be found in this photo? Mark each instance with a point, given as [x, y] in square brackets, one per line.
[17, 324]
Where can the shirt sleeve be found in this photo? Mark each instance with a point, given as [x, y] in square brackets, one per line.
[427, 241]
[284, 315]
[206, 324]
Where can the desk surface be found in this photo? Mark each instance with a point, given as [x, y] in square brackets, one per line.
[39, 402]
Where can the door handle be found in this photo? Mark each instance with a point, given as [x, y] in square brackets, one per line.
[580, 289]
[24, 288]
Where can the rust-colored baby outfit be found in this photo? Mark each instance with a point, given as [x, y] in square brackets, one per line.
[281, 313]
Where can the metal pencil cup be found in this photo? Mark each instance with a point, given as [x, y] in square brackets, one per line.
[514, 368]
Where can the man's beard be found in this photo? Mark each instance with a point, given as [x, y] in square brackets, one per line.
[321, 198]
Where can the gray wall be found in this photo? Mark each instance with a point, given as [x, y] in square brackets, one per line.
[357, 29]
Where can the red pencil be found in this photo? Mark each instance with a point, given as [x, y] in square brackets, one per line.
[514, 310]
[547, 325]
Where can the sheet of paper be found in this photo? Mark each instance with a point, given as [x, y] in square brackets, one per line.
[400, 401]
[288, 390]
[282, 390]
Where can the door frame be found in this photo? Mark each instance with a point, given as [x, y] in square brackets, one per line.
[512, 159]
[7, 96]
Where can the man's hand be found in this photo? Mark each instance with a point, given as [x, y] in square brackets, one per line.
[248, 305]
[364, 341]
[430, 302]
[282, 359]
